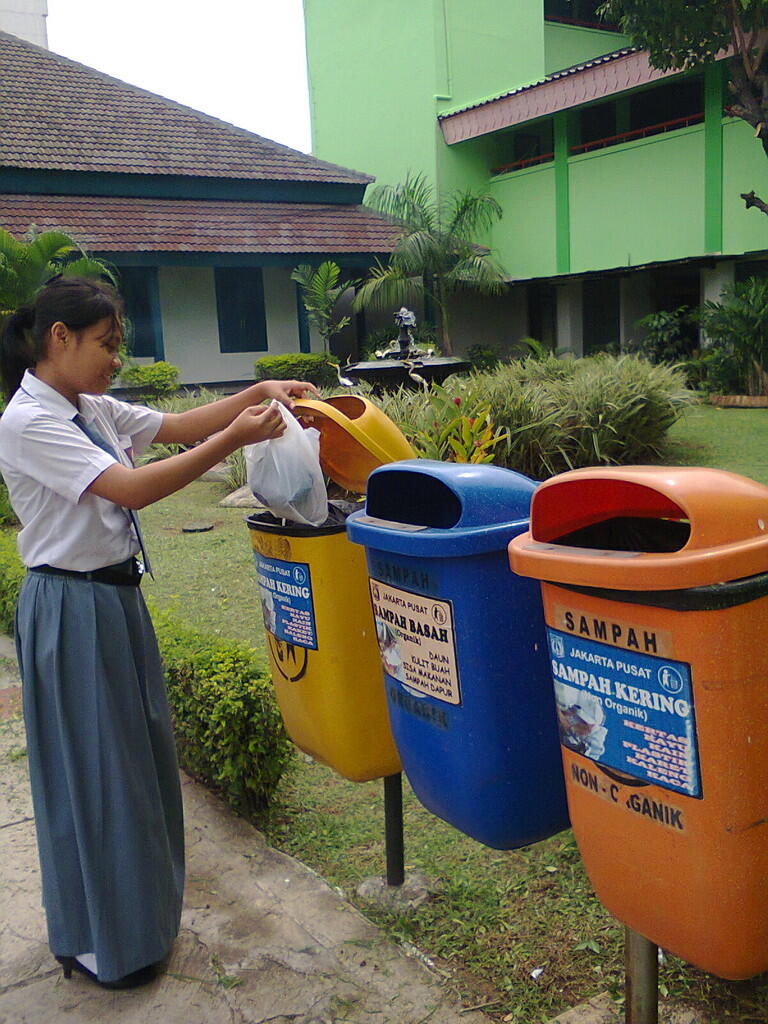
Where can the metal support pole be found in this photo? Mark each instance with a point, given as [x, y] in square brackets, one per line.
[393, 828]
[641, 987]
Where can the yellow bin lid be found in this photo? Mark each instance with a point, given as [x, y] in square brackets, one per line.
[356, 437]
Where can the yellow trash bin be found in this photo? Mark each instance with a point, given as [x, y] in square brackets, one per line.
[313, 587]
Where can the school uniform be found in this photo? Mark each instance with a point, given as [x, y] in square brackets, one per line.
[102, 759]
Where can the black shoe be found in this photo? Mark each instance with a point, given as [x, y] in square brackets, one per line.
[141, 977]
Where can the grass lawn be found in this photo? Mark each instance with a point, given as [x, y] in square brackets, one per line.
[496, 917]
[206, 578]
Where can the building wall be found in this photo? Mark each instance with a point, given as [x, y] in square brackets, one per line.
[525, 238]
[26, 19]
[566, 45]
[489, 48]
[638, 203]
[494, 320]
[745, 167]
[380, 73]
[190, 328]
[373, 79]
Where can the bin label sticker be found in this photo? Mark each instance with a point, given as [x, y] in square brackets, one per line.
[416, 641]
[285, 589]
[633, 800]
[613, 631]
[628, 711]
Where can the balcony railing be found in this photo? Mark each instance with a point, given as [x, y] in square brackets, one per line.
[610, 140]
[639, 133]
[528, 161]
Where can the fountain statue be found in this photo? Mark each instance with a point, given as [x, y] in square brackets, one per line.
[403, 362]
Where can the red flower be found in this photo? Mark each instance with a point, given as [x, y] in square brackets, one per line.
[457, 401]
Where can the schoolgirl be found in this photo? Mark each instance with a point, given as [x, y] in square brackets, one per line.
[102, 760]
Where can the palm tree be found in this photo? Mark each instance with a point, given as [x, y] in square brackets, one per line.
[436, 254]
[320, 291]
[26, 265]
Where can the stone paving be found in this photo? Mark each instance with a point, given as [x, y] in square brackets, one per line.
[263, 939]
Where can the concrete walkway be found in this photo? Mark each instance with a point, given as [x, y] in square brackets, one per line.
[263, 939]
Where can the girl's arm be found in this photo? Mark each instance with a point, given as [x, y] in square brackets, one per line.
[197, 424]
[135, 488]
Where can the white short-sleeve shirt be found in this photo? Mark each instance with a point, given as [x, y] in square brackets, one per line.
[47, 463]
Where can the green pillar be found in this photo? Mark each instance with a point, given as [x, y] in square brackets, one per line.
[562, 196]
[713, 158]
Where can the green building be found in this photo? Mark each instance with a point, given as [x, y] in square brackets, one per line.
[619, 183]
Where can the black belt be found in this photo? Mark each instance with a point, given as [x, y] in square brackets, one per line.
[124, 574]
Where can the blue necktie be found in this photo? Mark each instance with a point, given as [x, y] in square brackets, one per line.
[101, 442]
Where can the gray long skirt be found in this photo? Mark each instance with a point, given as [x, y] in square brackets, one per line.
[103, 771]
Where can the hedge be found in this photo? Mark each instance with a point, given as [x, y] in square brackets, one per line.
[159, 378]
[318, 368]
[11, 574]
[229, 733]
[228, 728]
[7, 515]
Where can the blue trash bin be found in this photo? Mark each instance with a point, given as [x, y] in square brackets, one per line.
[464, 649]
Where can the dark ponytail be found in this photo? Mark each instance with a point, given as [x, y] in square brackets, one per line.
[78, 302]
[15, 349]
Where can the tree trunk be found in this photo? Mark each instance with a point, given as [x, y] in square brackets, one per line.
[445, 337]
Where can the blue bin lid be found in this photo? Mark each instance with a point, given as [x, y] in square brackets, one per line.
[428, 508]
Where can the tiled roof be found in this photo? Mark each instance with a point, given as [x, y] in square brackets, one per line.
[56, 114]
[595, 79]
[117, 224]
[604, 58]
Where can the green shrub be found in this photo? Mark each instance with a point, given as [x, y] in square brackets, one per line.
[670, 335]
[158, 378]
[483, 357]
[7, 515]
[11, 574]
[180, 402]
[236, 471]
[228, 728]
[558, 414]
[738, 327]
[319, 368]
[183, 400]
[567, 414]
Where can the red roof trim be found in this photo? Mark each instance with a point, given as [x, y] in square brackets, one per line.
[594, 80]
[121, 224]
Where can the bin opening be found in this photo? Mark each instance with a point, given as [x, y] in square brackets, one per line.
[630, 533]
[609, 515]
[338, 511]
[413, 498]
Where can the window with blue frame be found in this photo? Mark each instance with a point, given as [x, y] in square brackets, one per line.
[240, 309]
[141, 297]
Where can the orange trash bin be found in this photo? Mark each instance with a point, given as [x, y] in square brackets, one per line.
[655, 591]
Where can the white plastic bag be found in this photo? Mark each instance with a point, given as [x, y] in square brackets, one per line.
[284, 473]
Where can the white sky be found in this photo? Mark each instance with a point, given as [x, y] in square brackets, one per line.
[240, 60]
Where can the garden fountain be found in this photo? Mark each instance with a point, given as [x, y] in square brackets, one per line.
[402, 362]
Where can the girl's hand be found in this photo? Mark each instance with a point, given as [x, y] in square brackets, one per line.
[257, 423]
[285, 390]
